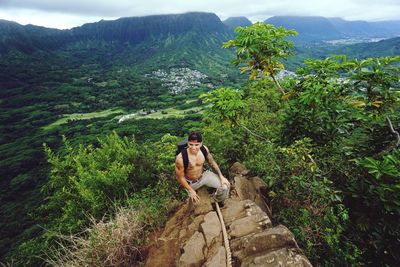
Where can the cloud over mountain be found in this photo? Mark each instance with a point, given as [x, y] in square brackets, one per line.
[91, 10]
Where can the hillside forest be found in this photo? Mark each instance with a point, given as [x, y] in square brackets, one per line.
[89, 131]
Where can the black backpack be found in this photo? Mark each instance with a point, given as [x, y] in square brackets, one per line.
[182, 148]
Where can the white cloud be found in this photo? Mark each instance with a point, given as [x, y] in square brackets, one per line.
[48, 19]
[68, 13]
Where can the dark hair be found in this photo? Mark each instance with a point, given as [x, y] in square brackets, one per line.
[195, 136]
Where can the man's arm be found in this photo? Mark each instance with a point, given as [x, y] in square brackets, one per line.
[180, 176]
[215, 167]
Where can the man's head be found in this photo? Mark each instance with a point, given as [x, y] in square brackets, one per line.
[194, 142]
[195, 136]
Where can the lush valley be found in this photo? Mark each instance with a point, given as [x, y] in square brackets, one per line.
[79, 83]
[321, 50]
[48, 74]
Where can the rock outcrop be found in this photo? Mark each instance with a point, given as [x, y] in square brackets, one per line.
[193, 235]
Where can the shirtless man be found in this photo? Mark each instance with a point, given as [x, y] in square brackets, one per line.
[194, 177]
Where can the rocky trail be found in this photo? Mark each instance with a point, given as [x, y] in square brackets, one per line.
[193, 236]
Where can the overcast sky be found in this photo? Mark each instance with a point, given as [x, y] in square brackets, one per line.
[65, 14]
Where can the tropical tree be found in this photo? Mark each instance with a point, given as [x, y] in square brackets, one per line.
[330, 153]
[261, 47]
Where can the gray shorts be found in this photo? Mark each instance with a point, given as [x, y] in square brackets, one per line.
[212, 180]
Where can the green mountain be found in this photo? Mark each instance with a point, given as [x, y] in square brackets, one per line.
[310, 28]
[29, 38]
[234, 22]
[77, 83]
[143, 43]
[391, 27]
[383, 48]
[139, 29]
[97, 71]
[353, 28]
[315, 29]
[133, 30]
[388, 47]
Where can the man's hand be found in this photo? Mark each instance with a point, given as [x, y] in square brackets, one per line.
[193, 196]
[225, 181]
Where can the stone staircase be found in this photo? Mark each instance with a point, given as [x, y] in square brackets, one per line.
[193, 235]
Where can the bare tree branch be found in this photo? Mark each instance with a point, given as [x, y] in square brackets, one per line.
[256, 135]
[396, 133]
[253, 133]
[277, 84]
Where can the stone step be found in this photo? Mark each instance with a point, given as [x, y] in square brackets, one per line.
[281, 257]
[271, 239]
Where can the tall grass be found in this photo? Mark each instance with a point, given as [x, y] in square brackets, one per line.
[112, 243]
[116, 241]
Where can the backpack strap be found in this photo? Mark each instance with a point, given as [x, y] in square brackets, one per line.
[204, 151]
[185, 156]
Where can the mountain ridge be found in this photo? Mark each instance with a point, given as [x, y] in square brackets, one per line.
[134, 30]
[48, 73]
[233, 22]
[318, 28]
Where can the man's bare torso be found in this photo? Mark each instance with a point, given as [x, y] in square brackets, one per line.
[195, 168]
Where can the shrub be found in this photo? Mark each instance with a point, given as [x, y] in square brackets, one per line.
[117, 242]
[105, 243]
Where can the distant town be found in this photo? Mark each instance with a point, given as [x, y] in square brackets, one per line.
[180, 79]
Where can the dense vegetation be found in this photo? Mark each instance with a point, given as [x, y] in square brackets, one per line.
[42, 84]
[328, 148]
[389, 47]
[88, 183]
[324, 147]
